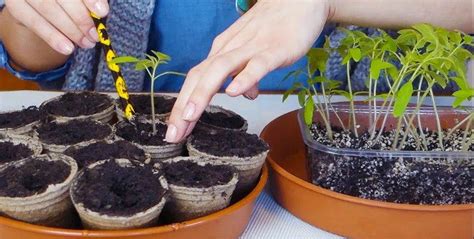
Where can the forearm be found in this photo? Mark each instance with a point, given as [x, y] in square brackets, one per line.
[26, 50]
[452, 14]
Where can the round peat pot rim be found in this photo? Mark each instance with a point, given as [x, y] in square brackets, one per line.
[52, 189]
[202, 161]
[33, 144]
[143, 231]
[101, 115]
[217, 109]
[342, 197]
[20, 130]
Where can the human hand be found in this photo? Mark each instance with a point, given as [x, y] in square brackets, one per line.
[60, 23]
[272, 34]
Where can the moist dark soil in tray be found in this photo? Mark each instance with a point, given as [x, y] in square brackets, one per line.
[347, 139]
[222, 120]
[32, 177]
[142, 105]
[10, 152]
[77, 104]
[72, 132]
[119, 191]
[190, 174]
[142, 133]
[19, 118]
[103, 150]
[228, 143]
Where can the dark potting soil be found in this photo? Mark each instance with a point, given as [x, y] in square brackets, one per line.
[72, 132]
[190, 174]
[142, 133]
[142, 104]
[10, 152]
[222, 120]
[103, 150]
[228, 143]
[32, 177]
[77, 104]
[347, 139]
[119, 191]
[19, 118]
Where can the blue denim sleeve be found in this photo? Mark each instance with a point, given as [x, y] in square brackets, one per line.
[40, 77]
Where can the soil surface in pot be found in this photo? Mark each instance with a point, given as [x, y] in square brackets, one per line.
[142, 104]
[222, 120]
[77, 104]
[142, 133]
[228, 143]
[398, 179]
[31, 178]
[119, 191]
[10, 152]
[102, 150]
[19, 118]
[72, 132]
[190, 174]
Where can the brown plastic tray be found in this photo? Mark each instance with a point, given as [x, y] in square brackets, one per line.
[227, 223]
[349, 216]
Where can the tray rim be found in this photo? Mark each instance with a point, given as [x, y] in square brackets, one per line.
[339, 196]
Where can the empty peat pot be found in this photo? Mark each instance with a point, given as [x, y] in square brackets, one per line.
[198, 187]
[80, 105]
[216, 118]
[36, 189]
[246, 152]
[107, 149]
[57, 136]
[119, 194]
[142, 106]
[16, 147]
[19, 122]
[141, 133]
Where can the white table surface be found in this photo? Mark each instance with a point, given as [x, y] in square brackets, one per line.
[269, 220]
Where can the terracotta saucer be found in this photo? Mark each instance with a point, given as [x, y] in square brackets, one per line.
[227, 223]
[346, 215]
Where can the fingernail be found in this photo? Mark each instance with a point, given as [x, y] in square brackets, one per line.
[100, 8]
[233, 88]
[66, 48]
[189, 111]
[93, 34]
[171, 133]
[86, 43]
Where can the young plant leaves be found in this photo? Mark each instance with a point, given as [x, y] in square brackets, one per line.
[402, 99]
[309, 111]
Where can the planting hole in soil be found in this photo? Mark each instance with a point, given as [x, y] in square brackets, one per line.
[19, 118]
[190, 174]
[11, 152]
[113, 190]
[31, 178]
[222, 120]
[142, 133]
[78, 104]
[106, 150]
[72, 132]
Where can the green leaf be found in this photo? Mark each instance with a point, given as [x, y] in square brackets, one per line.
[376, 66]
[124, 59]
[309, 111]
[438, 79]
[301, 97]
[461, 82]
[143, 64]
[402, 99]
[355, 54]
[427, 31]
[317, 58]
[464, 93]
[161, 56]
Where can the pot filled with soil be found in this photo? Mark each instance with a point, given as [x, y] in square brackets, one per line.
[57, 136]
[36, 189]
[119, 194]
[16, 147]
[143, 109]
[141, 133]
[246, 152]
[19, 122]
[198, 187]
[81, 105]
[371, 169]
[107, 149]
[216, 117]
